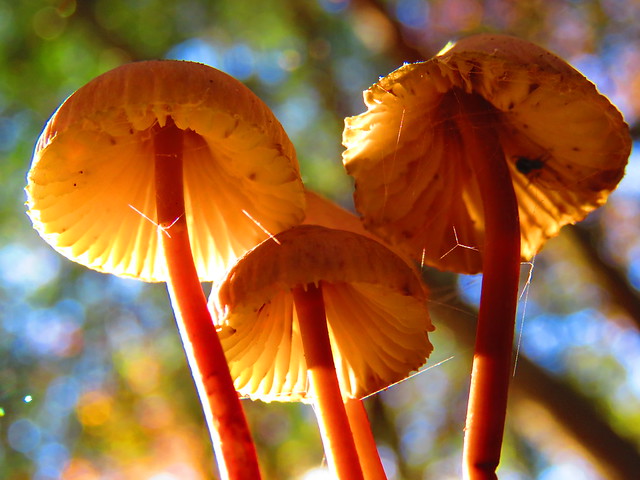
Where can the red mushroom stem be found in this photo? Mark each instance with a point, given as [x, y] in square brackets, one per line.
[365, 442]
[334, 426]
[492, 359]
[225, 417]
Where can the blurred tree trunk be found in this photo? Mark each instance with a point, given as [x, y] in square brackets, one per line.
[616, 457]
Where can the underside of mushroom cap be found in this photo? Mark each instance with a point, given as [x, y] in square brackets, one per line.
[91, 190]
[375, 305]
[565, 144]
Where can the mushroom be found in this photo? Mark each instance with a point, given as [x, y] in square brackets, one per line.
[271, 311]
[167, 171]
[327, 213]
[322, 211]
[470, 162]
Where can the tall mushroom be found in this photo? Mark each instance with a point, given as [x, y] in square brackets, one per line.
[167, 171]
[271, 314]
[470, 162]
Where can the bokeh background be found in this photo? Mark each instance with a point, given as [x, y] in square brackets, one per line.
[93, 381]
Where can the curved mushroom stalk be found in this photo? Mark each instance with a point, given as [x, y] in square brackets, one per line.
[344, 427]
[169, 171]
[493, 145]
[324, 212]
[225, 417]
[492, 357]
[326, 316]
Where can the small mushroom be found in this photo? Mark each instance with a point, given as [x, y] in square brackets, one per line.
[323, 211]
[271, 314]
[471, 161]
[168, 171]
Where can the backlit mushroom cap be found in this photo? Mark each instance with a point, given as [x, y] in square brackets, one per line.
[375, 306]
[326, 213]
[565, 144]
[91, 190]
[322, 211]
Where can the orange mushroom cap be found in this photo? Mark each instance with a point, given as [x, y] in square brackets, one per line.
[91, 191]
[375, 305]
[566, 146]
[326, 213]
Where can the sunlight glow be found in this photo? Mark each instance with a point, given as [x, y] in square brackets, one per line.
[318, 473]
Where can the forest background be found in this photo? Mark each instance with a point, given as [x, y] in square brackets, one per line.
[93, 381]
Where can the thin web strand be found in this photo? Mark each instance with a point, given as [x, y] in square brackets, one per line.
[524, 297]
[393, 161]
[159, 227]
[458, 244]
[259, 225]
[414, 374]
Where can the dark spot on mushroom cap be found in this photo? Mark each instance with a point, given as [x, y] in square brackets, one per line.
[280, 148]
[526, 165]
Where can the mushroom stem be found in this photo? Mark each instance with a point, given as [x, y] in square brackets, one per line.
[337, 437]
[498, 301]
[365, 441]
[226, 420]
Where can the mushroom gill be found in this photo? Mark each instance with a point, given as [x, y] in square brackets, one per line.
[91, 191]
[566, 147]
[375, 309]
